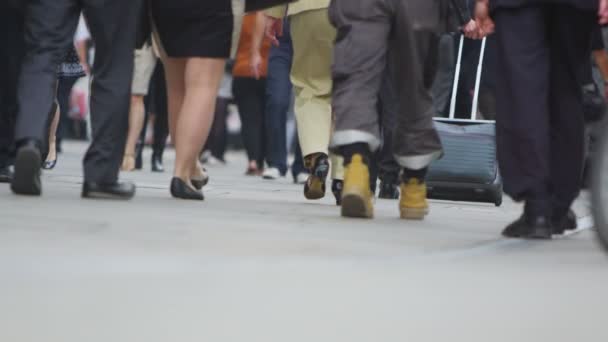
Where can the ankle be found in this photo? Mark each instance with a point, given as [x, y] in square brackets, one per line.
[362, 149]
[409, 175]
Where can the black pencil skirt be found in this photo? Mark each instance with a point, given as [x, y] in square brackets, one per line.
[194, 28]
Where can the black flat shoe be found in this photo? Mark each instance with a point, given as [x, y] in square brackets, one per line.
[200, 183]
[179, 189]
[336, 188]
[26, 178]
[49, 164]
[530, 227]
[157, 164]
[6, 174]
[389, 191]
[564, 223]
[121, 191]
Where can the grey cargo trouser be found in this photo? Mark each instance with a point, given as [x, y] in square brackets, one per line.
[372, 33]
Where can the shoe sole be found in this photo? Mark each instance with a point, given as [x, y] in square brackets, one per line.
[414, 213]
[538, 234]
[106, 196]
[355, 206]
[26, 179]
[315, 189]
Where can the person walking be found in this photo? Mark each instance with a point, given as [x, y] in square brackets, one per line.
[70, 69]
[13, 48]
[372, 35]
[249, 89]
[279, 93]
[195, 40]
[50, 28]
[543, 47]
[144, 66]
[313, 44]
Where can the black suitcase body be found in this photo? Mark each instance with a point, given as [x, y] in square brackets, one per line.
[468, 170]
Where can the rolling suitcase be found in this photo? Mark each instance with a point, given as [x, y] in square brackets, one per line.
[468, 170]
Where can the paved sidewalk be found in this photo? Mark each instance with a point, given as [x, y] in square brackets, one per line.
[256, 262]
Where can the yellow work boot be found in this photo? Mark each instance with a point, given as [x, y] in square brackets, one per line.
[356, 195]
[413, 204]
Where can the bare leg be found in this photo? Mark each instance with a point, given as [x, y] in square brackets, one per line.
[136, 123]
[202, 78]
[52, 155]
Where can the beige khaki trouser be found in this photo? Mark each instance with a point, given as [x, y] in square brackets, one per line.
[313, 43]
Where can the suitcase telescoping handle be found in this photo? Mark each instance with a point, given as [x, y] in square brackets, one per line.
[477, 80]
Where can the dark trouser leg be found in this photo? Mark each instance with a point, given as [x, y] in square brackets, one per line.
[161, 124]
[251, 108]
[50, 27]
[389, 109]
[217, 138]
[522, 99]
[363, 30]
[11, 56]
[570, 46]
[278, 98]
[111, 87]
[415, 141]
[442, 86]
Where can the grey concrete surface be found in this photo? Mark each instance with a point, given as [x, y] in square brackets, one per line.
[256, 262]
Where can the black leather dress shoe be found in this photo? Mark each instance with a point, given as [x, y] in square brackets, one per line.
[26, 179]
[389, 191]
[561, 224]
[6, 174]
[181, 190]
[122, 191]
[157, 164]
[530, 227]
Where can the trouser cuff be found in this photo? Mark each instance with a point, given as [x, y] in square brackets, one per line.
[352, 136]
[418, 162]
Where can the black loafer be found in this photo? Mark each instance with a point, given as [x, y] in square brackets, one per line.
[6, 174]
[181, 190]
[530, 227]
[26, 178]
[389, 190]
[119, 191]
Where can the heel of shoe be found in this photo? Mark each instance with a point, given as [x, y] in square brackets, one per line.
[26, 178]
[540, 233]
[314, 189]
[414, 213]
[356, 206]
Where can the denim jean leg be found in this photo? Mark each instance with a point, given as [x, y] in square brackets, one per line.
[278, 96]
